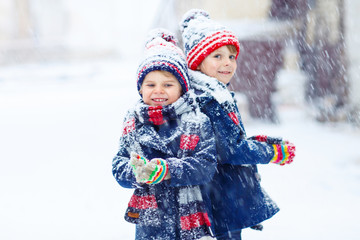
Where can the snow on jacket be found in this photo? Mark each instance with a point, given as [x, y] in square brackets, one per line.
[238, 201]
[185, 139]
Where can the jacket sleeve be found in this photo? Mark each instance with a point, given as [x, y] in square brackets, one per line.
[231, 143]
[121, 170]
[198, 164]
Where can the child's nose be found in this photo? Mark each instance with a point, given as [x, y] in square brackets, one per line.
[159, 89]
[226, 61]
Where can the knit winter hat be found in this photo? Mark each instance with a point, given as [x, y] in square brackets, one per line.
[202, 36]
[161, 53]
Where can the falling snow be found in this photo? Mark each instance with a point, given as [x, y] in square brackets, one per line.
[60, 123]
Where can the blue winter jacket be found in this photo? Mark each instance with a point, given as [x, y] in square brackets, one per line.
[193, 164]
[238, 201]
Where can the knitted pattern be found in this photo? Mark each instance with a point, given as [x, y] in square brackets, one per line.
[202, 36]
[161, 53]
[143, 208]
[159, 173]
[150, 172]
[155, 115]
[159, 169]
[284, 152]
[140, 161]
[194, 219]
[158, 115]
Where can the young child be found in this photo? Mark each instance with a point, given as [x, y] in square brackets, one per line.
[167, 149]
[238, 201]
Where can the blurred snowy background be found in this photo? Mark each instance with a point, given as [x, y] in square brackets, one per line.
[67, 77]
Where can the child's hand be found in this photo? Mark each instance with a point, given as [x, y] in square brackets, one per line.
[137, 162]
[284, 151]
[154, 171]
[150, 172]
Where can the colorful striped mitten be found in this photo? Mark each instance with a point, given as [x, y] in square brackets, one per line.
[150, 172]
[284, 151]
[154, 171]
[137, 161]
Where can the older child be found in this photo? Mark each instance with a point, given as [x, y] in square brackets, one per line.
[167, 149]
[238, 201]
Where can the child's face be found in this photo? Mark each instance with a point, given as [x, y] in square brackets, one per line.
[160, 88]
[220, 64]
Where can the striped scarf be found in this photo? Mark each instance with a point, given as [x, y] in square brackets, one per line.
[159, 115]
[194, 221]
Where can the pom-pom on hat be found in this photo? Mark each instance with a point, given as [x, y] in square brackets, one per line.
[161, 53]
[202, 36]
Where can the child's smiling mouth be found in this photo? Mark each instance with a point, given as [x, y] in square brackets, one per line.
[159, 100]
[224, 72]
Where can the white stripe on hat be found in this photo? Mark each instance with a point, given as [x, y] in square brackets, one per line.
[208, 43]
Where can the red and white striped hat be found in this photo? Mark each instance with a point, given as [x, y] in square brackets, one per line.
[201, 36]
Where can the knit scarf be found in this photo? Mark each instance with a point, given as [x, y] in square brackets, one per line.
[143, 207]
[194, 221]
[213, 88]
[158, 115]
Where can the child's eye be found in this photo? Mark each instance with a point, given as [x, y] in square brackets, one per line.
[168, 85]
[150, 85]
[232, 57]
[217, 56]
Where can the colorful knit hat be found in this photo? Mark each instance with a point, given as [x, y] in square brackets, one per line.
[161, 53]
[202, 36]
